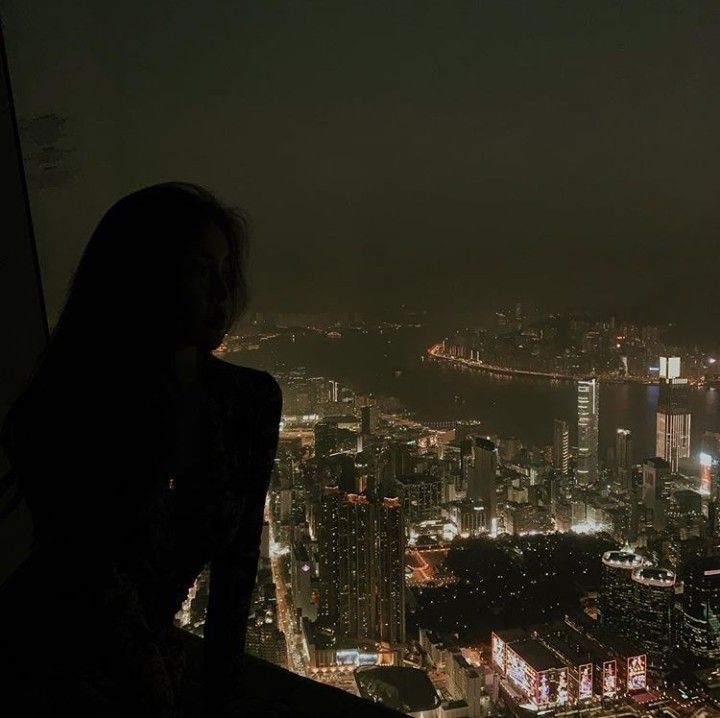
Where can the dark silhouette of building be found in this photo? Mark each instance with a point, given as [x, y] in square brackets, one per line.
[481, 478]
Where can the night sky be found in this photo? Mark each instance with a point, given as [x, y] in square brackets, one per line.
[451, 154]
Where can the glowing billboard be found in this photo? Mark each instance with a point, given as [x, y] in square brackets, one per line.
[351, 657]
[552, 688]
[585, 681]
[609, 681]
[520, 673]
[562, 687]
[637, 673]
[498, 652]
[543, 690]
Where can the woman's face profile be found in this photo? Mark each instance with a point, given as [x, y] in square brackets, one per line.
[202, 291]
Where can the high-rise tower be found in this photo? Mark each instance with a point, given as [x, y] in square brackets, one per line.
[588, 418]
[673, 414]
[623, 458]
[700, 621]
[362, 566]
[561, 446]
[481, 477]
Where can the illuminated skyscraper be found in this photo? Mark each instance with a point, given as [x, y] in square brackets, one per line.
[328, 528]
[389, 574]
[561, 446]
[700, 628]
[588, 419]
[656, 491]
[481, 477]
[301, 576]
[616, 597]
[362, 566]
[710, 464]
[623, 458]
[653, 606]
[673, 414]
[356, 535]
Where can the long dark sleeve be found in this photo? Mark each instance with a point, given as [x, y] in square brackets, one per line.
[233, 571]
[81, 496]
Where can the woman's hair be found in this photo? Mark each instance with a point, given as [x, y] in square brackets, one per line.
[116, 319]
[121, 292]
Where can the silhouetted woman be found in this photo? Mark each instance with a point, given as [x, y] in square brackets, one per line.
[142, 457]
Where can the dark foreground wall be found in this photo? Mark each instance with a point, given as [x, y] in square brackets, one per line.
[23, 324]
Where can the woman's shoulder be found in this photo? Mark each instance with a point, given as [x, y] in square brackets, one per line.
[256, 385]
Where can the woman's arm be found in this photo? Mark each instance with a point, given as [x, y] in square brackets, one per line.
[81, 495]
[234, 570]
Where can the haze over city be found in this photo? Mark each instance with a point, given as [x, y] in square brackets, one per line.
[445, 154]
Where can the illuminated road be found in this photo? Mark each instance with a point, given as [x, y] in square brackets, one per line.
[429, 572]
[284, 607]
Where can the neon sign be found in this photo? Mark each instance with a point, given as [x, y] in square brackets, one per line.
[637, 673]
[609, 683]
[350, 657]
[498, 652]
[543, 690]
[520, 673]
[562, 690]
[552, 688]
[585, 681]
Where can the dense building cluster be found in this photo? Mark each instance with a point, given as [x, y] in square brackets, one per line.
[504, 574]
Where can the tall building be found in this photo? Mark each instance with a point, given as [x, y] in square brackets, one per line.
[653, 606]
[588, 438]
[355, 537]
[561, 446]
[481, 478]
[656, 491]
[421, 496]
[673, 414]
[362, 566]
[710, 464]
[390, 571]
[700, 621]
[368, 419]
[264, 638]
[326, 438]
[329, 568]
[399, 460]
[623, 458]
[616, 598]
[301, 576]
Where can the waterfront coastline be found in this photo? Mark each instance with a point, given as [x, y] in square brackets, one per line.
[434, 354]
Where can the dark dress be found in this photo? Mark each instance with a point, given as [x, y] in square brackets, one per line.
[120, 536]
